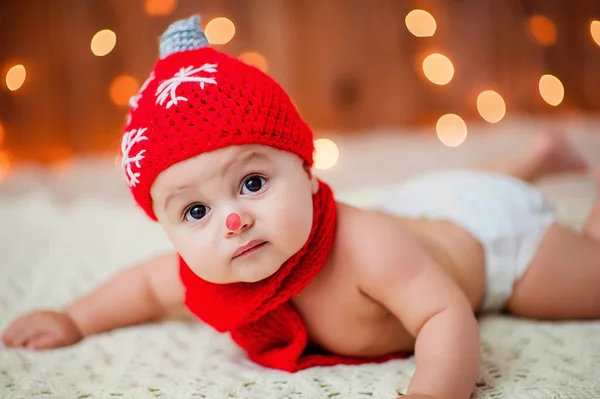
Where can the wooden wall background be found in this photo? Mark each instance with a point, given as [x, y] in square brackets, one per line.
[349, 65]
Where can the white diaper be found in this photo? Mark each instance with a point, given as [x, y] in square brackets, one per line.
[507, 216]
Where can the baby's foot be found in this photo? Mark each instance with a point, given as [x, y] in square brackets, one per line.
[556, 155]
[592, 225]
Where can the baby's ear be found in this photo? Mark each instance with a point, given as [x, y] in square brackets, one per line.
[314, 183]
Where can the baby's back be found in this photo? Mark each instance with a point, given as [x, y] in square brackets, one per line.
[341, 317]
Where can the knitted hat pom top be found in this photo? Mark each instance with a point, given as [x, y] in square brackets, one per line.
[197, 99]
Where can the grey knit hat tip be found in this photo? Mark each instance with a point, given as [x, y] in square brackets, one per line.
[183, 35]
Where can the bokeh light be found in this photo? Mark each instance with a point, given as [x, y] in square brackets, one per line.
[420, 23]
[542, 30]
[160, 7]
[491, 106]
[595, 31]
[326, 154]
[255, 59]
[551, 89]
[451, 130]
[122, 88]
[103, 42]
[219, 30]
[4, 165]
[438, 69]
[15, 77]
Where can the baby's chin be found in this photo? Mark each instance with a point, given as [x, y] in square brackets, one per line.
[252, 273]
[247, 272]
[250, 268]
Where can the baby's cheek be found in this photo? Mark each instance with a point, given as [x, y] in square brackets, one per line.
[207, 269]
[201, 258]
[298, 224]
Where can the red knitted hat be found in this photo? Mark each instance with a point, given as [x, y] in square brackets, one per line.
[197, 100]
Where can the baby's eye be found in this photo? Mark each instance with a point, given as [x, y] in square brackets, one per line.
[195, 212]
[253, 184]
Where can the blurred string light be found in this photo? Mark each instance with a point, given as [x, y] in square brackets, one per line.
[15, 77]
[4, 165]
[103, 42]
[595, 31]
[118, 158]
[551, 89]
[326, 154]
[160, 7]
[438, 69]
[451, 130]
[420, 23]
[220, 30]
[122, 88]
[491, 106]
[542, 30]
[255, 59]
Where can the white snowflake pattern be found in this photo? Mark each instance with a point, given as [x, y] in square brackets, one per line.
[168, 88]
[130, 138]
[134, 100]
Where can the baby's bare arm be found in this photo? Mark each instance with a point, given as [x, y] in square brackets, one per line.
[435, 311]
[148, 291]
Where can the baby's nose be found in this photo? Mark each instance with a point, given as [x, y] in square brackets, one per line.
[236, 224]
[233, 221]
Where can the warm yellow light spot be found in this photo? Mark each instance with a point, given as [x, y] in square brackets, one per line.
[451, 130]
[542, 30]
[220, 30]
[255, 59]
[15, 77]
[1, 134]
[103, 42]
[326, 154]
[122, 88]
[595, 31]
[118, 165]
[551, 89]
[438, 68]
[62, 167]
[420, 23]
[160, 7]
[4, 166]
[491, 106]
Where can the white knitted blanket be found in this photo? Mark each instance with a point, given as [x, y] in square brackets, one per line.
[51, 253]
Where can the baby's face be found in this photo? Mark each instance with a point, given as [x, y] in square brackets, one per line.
[270, 190]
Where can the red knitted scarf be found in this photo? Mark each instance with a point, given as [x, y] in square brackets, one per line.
[259, 315]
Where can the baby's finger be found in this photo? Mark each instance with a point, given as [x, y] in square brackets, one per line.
[13, 331]
[6, 338]
[22, 334]
[42, 341]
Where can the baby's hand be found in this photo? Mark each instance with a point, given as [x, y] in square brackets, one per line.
[416, 396]
[42, 330]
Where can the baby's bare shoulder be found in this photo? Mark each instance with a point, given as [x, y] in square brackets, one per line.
[374, 241]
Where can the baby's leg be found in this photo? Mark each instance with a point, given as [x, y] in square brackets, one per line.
[548, 153]
[562, 282]
[592, 225]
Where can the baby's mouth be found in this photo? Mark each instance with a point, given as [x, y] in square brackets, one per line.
[249, 248]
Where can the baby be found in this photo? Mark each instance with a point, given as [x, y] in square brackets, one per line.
[215, 151]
